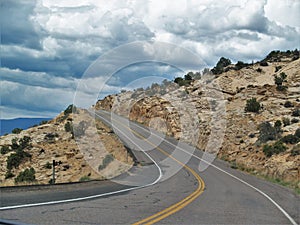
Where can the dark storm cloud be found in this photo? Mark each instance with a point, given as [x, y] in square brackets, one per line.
[16, 26]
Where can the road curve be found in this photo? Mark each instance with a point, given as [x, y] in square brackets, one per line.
[229, 197]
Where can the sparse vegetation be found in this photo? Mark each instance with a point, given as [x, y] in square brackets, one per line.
[48, 165]
[70, 109]
[221, 64]
[16, 130]
[28, 175]
[252, 105]
[295, 150]
[277, 68]
[239, 65]
[296, 112]
[286, 121]
[276, 148]
[84, 178]
[290, 139]
[107, 160]
[279, 80]
[268, 133]
[288, 104]
[5, 149]
[186, 81]
[68, 127]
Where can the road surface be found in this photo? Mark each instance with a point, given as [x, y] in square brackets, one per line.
[169, 189]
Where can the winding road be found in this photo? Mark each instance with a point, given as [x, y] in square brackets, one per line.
[167, 189]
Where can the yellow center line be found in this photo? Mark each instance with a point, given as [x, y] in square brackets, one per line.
[179, 205]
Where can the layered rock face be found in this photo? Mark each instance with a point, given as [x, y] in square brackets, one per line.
[80, 145]
[212, 108]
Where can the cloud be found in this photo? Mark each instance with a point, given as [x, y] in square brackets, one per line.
[47, 45]
[17, 26]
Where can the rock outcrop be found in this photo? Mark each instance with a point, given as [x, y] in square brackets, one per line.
[79, 154]
[193, 113]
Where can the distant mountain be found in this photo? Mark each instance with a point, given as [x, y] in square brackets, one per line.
[7, 125]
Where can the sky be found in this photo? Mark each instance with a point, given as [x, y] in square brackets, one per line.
[47, 46]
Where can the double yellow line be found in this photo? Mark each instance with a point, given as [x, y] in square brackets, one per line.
[179, 205]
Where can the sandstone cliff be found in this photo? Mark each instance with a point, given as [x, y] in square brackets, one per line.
[95, 153]
[177, 110]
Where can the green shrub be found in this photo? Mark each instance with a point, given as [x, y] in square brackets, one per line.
[239, 65]
[84, 178]
[48, 165]
[68, 127]
[286, 121]
[107, 160]
[290, 139]
[259, 70]
[297, 133]
[296, 112]
[267, 132]
[219, 68]
[16, 130]
[70, 109]
[277, 68]
[279, 81]
[288, 104]
[263, 63]
[28, 175]
[294, 120]
[15, 159]
[295, 150]
[277, 123]
[9, 174]
[4, 149]
[252, 105]
[276, 148]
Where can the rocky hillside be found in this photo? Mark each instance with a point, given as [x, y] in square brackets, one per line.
[262, 138]
[83, 149]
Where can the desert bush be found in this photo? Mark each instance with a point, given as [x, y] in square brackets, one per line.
[297, 133]
[290, 139]
[48, 165]
[294, 120]
[70, 109]
[286, 121]
[28, 175]
[288, 104]
[277, 68]
[107, 160]
[276, 148]
[239, 65]
[51, 136]
[259, 70]
[279, 81]
[219, 68]
[296, 112]
[15, 159]
[9, 174]
[84, 178]
[252, 105]
[5, 149]
[295, 150]
[263, 63]
[68, 127]
[16, 130]
[267, 132]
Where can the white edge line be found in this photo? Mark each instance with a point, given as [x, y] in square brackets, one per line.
[229, 174]
[92, 196]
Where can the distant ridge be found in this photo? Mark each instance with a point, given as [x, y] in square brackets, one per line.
[7, 125]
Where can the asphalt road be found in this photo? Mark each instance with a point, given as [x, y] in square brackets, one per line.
[170, 190]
